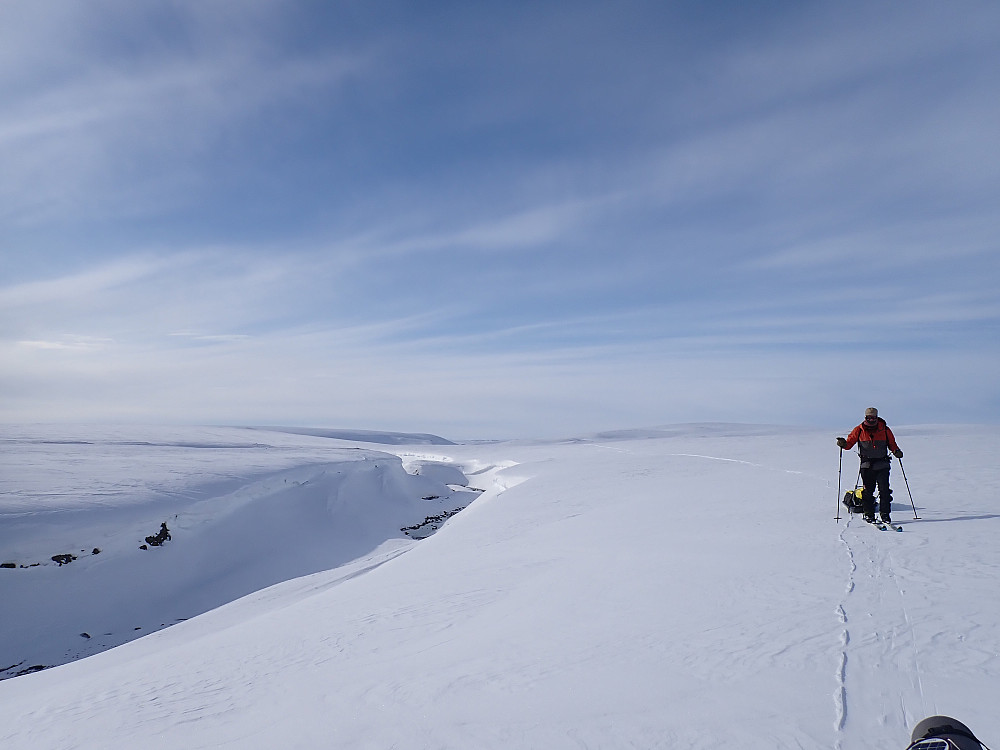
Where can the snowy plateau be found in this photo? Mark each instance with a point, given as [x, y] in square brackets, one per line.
[680, 587]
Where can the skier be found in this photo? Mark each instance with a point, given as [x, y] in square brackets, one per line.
[874, 440]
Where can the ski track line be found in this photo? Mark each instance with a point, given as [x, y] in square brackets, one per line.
[715, 458]
[886, 633]
[728, 460]
[751, 463]
[840, 693]
[891, 651]
[913, 643]
[610, 448]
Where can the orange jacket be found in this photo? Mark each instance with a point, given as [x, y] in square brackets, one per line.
[873, 444]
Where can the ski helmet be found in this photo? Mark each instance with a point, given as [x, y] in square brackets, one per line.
[943, 733]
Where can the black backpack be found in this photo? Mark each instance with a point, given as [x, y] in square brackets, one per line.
[852, 500]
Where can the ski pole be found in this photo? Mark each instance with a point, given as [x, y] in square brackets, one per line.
[908, 490]
[840, 470]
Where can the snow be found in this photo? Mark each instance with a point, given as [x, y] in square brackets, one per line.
[684, 586]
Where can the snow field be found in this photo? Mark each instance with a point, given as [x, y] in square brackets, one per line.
[683, 587]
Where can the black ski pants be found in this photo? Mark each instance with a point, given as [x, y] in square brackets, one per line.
[870, 479]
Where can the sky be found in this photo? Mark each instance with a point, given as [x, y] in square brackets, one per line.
[518, 219]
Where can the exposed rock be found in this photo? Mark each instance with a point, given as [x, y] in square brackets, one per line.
[429, 525]
[160, 537]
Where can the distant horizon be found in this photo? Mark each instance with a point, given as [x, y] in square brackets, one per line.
[353, 433]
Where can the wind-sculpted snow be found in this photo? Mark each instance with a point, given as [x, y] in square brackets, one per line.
[682, 587]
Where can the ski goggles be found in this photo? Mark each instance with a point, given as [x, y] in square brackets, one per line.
[933, 743]
[942, 743]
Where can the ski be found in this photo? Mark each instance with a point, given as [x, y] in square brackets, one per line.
[881, 525]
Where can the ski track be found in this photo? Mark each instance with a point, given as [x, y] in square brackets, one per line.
[840, 694]
[883, 641]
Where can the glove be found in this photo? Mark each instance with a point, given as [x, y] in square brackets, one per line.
[841, 442]
[897, 453]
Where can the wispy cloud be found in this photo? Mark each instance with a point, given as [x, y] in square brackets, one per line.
[581, 215]
[209, 338]
[86, 284]
[118, 133]
[70, 343]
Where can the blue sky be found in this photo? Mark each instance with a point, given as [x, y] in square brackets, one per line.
[499, 219]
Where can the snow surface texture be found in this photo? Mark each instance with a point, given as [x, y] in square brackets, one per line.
[682, 587]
